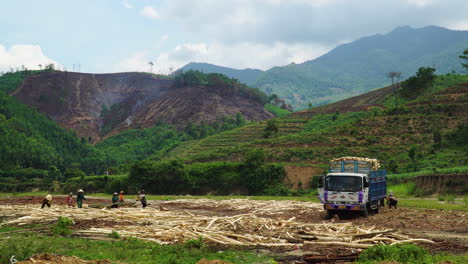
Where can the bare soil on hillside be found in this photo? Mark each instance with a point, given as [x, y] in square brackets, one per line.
[250, 219]
[97, 106]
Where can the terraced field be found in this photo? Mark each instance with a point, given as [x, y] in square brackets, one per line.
[359, 126]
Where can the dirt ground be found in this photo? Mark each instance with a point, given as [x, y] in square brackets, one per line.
[449, 229]
[56, 200]
[56, 259]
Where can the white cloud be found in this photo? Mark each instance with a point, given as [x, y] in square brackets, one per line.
[327, 22]
[136, 62]
[164, 37]
[150, 12]
[29, 56]
[461, 25]
[420, 3]
[126, 4]
[238, 55]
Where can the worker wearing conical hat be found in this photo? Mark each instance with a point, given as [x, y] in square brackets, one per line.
[115, 200]
[80, 198]
[47, 201]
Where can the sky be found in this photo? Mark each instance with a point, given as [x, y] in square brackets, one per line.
[101, 36]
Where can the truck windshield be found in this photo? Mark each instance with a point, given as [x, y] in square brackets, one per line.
[343, 183]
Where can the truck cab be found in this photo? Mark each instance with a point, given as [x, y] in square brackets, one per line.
[353, 184]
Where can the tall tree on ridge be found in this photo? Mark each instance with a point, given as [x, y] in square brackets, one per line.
[395, 77]
[465, 57]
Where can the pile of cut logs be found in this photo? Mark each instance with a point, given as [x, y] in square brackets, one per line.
[168, 227]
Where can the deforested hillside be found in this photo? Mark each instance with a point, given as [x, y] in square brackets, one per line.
[100, 105]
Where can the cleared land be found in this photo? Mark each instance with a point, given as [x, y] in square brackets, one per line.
[292, 228]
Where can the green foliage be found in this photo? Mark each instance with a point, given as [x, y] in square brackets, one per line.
[400, 253]
[362, 65]
[166, 177]
[449, 198]
[112, 116]
[395, 178]
[136, 144]
[459, 136]
[418, 84]
[195, 243]
[62, 227]
[219, 81]
[247, 76]
[252, 176]
[227, 123]
[115, 235]
[260, 175]
[329, 122]
[132, 250]
[465, 58]
[94, 184]
[276, 111]
[29, 139]
[270, 128]
[9, 81]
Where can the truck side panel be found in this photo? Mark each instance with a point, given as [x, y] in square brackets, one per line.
[378, 185]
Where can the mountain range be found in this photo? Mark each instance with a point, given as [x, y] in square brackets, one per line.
[356, 67]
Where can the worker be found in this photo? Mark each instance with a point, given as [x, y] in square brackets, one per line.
[142, 197]
[70, 200]
[121, 196]
[80, 198]
[47, 201]
[391, 200]
[115, 200]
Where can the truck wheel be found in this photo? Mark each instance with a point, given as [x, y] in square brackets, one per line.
[377, 209]
[329, 214]
[365, 212]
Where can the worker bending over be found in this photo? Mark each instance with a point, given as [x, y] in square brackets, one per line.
[47, 201]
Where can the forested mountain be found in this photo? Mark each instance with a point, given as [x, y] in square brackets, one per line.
[247, 76]
[97, 106]
[140, 115]
[30, 139]
[362, 65]
[357, 67]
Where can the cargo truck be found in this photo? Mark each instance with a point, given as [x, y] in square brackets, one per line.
[353, 184]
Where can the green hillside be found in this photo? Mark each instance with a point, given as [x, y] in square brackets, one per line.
[423, 137]
[429, 133]
[247, 76]
[30, 139]
[354, 68]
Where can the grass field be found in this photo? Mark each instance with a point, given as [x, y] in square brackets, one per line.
[403, 176]
[23, 245]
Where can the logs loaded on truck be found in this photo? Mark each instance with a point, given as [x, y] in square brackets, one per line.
[353, 184]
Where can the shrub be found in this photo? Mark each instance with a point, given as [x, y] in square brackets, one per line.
[195, 243]
[114, 234]
[62, 227]
[399, 253]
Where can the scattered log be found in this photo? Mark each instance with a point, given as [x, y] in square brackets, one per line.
[330, 259]
[246, 228]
